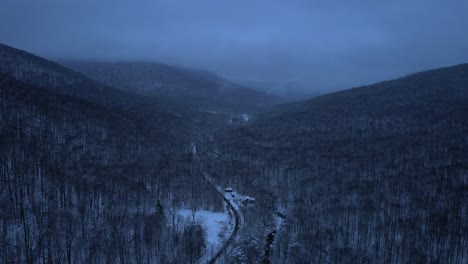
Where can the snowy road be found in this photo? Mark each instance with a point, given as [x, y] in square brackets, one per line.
[233, 209]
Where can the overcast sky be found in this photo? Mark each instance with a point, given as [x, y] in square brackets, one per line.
[311, 45]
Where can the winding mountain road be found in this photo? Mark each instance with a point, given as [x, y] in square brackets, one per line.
[232, 208]
[237, 224]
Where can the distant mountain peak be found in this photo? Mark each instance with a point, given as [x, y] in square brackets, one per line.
[200, 88]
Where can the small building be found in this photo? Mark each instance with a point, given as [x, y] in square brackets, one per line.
[248, 200]
[228, 189]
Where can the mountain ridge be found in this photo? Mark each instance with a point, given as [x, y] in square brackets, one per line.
[202, 89]
[41, 72]
[405, 87]
[379, 166]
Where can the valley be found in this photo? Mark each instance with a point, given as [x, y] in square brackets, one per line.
[144, 163]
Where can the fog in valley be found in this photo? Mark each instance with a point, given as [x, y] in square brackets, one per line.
[288, 47]
[233, 132]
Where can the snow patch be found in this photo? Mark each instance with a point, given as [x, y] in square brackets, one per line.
[242, 118]
[237, 200]
[218, 226]
[194, 148]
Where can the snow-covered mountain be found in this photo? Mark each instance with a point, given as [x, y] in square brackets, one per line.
[201, 89]
[371, 174]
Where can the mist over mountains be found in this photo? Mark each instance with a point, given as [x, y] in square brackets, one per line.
[198, 88]
[104, 163]
[320, 46]
[243, 132]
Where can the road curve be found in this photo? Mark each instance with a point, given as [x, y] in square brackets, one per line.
[236, 226]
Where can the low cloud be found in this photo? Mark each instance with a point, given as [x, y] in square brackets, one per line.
[307, 46]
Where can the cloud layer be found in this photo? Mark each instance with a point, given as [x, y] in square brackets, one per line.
[313, 46]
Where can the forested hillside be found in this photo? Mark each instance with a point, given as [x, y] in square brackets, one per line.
[91, 181]
[199, 89]
[376, 174]
[40, 72]
[162, 172]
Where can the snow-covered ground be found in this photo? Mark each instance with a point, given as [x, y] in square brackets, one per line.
[239, 200]
[237, 218]
[194, 148]
[218, 227]
[240, 118]
[278, 222]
